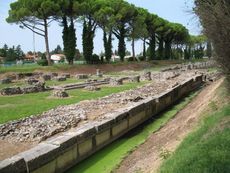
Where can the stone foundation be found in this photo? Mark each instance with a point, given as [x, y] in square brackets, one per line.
[64, 151]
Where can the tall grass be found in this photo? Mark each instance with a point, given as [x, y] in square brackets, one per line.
[206, 150]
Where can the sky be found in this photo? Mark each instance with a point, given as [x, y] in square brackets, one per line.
[173, 10]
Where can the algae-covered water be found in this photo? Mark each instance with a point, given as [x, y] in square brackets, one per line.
[105, 160]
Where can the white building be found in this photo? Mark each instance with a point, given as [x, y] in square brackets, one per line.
[57, 58]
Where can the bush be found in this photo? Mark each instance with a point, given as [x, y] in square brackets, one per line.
[141, 58]
[95, 59]
[130, 59]
[42, 62]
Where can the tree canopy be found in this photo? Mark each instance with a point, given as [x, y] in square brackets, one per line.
[116, 18]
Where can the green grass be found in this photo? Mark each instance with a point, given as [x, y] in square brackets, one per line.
[206, 150]
[16, 107]
[107, 159]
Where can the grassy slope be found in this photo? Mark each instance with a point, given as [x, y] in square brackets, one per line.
[16, 107]
[207, 149]
[105, 160]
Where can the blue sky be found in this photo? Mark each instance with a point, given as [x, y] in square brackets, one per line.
[172, 10]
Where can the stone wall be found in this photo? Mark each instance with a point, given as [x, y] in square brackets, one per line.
[62, 152]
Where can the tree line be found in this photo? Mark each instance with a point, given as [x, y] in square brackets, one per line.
[11, 53]
[116, 18]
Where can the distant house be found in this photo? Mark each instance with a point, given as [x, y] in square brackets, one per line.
[31, 57]
[117, 58]
[57, 58]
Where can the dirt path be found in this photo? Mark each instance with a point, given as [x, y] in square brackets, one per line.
[148, 157]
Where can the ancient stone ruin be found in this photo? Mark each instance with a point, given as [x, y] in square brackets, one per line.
[92, 88]
[60, 93]
[135, 79]
[5, 81]
[82, 76]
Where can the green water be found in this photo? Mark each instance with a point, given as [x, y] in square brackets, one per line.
[105, 160]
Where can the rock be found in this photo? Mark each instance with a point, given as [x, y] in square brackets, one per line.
[11, 91]
[82, 76]
[146, 76]
[46, 77]
[38, 87]
[5, 81]
[19, 76]
[53, 74]
[99, 73]
[91, 80]
[115, 82]
[66, 75]
[60, 93]
[60, 78]
[92, 88]
[31, 81]
[134, 79]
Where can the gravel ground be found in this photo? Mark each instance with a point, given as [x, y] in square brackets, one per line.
[40, 127]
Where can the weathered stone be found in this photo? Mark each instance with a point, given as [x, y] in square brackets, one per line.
[66, 75]
[82, 76]
[146, 76]
[92, 88]
[60, 78]
[115, 82]
[99, 73]
[5, 81]
[11, 91]
[39, 156]
[135, 79]
[14, 164]
[60, 93]
[46, 77]
[53, 74]
[31, 81]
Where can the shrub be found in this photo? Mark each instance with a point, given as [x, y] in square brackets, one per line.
[95, 59]
[42, 62]
[141, 58]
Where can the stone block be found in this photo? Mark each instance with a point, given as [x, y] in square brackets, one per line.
[46, 77]
[104, 125]
[150, 107]
[135, 79]
[85, 147]
[136, 108]
[102, 137]
[41, 157]
[11, 91]
[67, 159]
[120, 128]
[5, 81]
[66, 75]
[82, 76]
[120, 115]
[60, 78]
[86, 132]
[64, 142]
[14, 164]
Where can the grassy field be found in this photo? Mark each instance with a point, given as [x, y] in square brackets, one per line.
[105, 160]
[207, 150]
[19, 106]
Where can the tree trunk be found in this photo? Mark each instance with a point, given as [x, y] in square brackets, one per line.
[47, 42]
[121, 44]
[167, 50]
[133, 49]
[144, 48]
[161, 48]
[152, 47]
